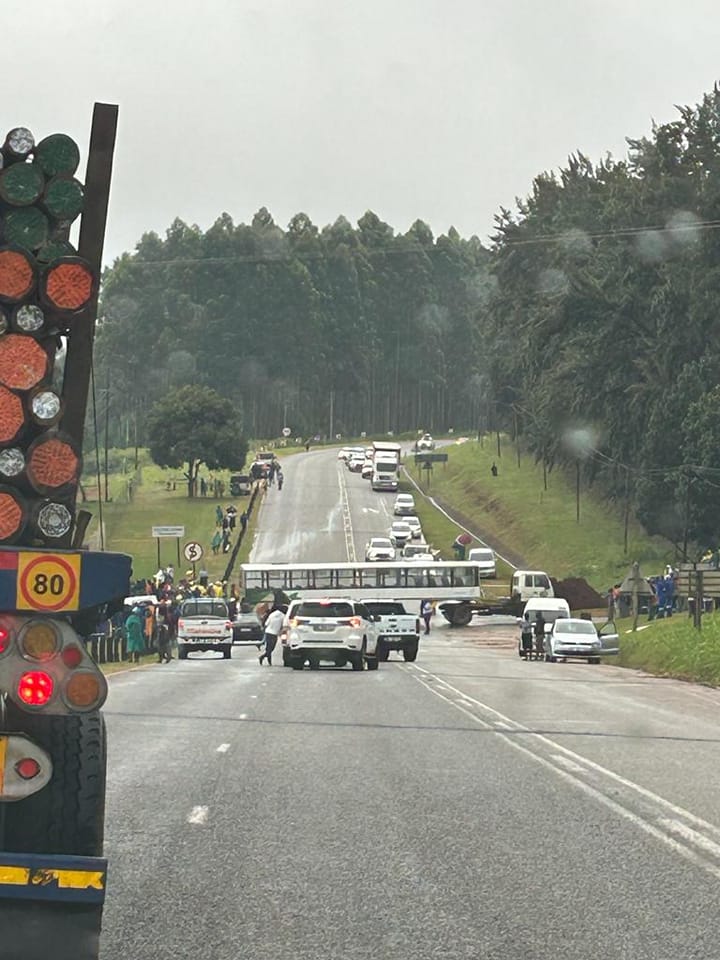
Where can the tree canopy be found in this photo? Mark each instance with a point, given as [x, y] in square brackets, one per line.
[193, 425]
[586, 325]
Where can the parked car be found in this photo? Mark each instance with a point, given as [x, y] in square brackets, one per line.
[400, 533]
[415, 526]
[247, 629]
[204, 624]
[379, 548]
[332, 630]
[485, 557]
[240, 485]
[573, 639]
[404, 505]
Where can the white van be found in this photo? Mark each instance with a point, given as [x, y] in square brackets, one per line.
[485, 557]
[530, 583]
[552, 609]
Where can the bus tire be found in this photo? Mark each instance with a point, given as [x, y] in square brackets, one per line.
[66, 817]
[461, 615]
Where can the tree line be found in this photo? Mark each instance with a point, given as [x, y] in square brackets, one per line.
[585, 326]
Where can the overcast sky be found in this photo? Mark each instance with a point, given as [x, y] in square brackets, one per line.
[442, 110]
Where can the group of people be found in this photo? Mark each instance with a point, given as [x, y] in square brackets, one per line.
[532, 636]
[225, 523]
[212, 487]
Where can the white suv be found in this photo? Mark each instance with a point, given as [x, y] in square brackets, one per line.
[336, 630]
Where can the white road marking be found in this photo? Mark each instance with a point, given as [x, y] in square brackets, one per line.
[198, 815]
[699, 843]
[223, 748]
[347, 518]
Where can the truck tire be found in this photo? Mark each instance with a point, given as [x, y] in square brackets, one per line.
[383, 651]
[410, 651]
[227, 652]
[67, 816]
[286, 657]
[372, 663]
[297, 663]
[182, 653]
[461, 615]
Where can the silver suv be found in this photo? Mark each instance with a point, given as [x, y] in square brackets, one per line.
[334, 630]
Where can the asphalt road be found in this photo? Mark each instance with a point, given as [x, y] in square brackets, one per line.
[470, 805]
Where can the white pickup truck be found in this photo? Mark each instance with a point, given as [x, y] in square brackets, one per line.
[396, 628]
[204, 624]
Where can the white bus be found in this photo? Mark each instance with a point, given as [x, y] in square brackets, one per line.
[397, 579]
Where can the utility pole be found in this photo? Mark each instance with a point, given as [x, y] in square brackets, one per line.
[687, 517]
[332, 413]
[107, 434]
[627, 509]
[577, 491]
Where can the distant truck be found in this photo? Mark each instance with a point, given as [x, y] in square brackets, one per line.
[397, 629]
[386, 465]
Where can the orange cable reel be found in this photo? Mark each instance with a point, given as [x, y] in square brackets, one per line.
[23, 362]
[53, 463]
[13, 515]
[12, 415]
[68, 284]
[17, 274]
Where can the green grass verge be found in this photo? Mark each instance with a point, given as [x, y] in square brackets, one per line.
[673, 648]
[540, 525]
[127, 524]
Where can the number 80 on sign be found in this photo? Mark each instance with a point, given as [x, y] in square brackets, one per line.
[48, 582]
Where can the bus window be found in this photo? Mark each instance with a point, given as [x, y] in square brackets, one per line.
[323, 579]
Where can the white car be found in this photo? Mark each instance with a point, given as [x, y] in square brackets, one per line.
[485, 558]
[336, 630]
[379, 548]
[404, 504]
[573, 639]
[400, 533]
[367, 470]
[415, 526]
[343, 453]
[425, 442]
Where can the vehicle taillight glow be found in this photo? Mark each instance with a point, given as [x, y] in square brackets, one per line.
[27, 768]
[355, 622]
[4, 640]
[35, 688]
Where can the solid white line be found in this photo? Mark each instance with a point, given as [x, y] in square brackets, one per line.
[691, 836]
[591, 791]
[568, 764]
[198, 815]
[223, 748]
[578, 758]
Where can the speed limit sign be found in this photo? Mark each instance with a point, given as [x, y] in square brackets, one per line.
[193, 551]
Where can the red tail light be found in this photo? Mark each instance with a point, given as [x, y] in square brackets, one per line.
[355, 622]
[35, 688]
[4, 639]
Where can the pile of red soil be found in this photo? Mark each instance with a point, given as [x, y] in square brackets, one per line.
[578, 593]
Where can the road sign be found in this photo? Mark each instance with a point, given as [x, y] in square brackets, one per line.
[431, 458]
[48, 582]
[192, 551]
[168, 531]
[286, 431]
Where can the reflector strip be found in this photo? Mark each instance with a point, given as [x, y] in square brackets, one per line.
[69, 879]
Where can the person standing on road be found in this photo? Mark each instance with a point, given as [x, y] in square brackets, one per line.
[426, 612]
[539, 631]
[526, 637]
[272, 627]
[280, 478]
[134, 625]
